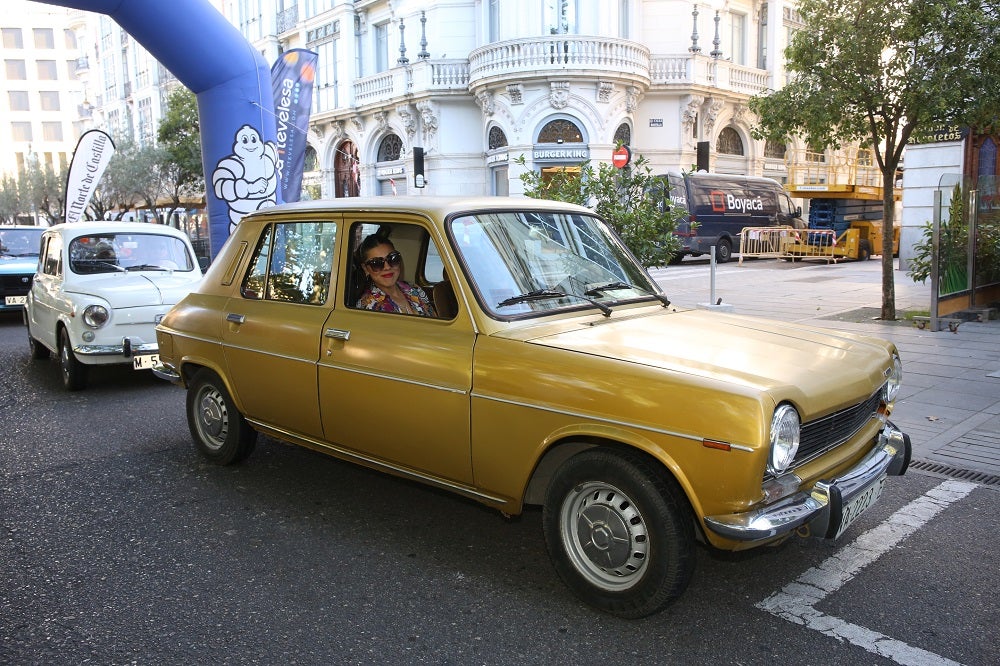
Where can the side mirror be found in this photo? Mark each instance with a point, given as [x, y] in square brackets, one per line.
[203, 263]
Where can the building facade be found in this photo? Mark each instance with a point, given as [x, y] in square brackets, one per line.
[39, 114]
[476, 84]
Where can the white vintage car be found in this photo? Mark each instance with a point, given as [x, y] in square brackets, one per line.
[101, 288]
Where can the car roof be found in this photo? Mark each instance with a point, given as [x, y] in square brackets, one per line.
[435, 206]
[107, 226]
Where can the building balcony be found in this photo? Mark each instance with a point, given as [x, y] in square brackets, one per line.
[565, 56]
[562, 57]
[422, 78]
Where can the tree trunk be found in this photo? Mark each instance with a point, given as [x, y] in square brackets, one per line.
[888, 222]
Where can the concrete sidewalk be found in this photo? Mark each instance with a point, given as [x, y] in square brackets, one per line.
[950, 400]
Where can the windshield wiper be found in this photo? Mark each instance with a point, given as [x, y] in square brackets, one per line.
[611, 286]
[146, 267]
[541, 294]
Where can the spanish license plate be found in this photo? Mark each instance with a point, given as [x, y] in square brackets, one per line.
[15, 300]
[144, 361]
[859, 504]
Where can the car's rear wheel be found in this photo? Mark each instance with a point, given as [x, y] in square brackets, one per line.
[619, 533]
[219, 431]
[74, 373]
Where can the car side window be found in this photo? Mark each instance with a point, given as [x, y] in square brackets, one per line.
[293, 263]
[420, 273]
[51, 263]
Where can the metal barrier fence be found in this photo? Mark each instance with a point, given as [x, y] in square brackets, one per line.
[787, 243]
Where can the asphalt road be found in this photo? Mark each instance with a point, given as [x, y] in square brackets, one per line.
[120, 545]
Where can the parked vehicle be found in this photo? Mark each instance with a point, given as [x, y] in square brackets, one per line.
[101, 288]
[720, 206]
[553, 371]
[18, 260]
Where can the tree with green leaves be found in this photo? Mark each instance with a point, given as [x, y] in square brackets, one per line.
[876, 71]
[179, 134]
[631, 200]
[10, 200]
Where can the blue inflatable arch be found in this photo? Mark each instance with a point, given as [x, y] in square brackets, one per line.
[232, 83]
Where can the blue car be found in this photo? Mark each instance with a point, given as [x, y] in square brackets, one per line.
[18, 261]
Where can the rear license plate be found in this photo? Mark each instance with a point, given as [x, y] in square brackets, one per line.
[15, 300]
[859, 504]
[144, 361]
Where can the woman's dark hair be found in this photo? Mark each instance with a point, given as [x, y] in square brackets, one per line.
[380, 237]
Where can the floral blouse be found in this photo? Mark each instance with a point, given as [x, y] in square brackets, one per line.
[374, 298]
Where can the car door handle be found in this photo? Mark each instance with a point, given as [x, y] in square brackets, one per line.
[337, 334]
[236, 318]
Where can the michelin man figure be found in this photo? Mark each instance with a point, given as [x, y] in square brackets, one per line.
[247, 180]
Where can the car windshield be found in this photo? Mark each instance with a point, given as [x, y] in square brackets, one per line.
[20, 242]
[529, 263]
[116, 252]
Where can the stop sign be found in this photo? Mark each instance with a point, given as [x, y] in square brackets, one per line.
[621, 156]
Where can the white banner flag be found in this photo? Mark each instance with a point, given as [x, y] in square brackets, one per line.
[91, 157]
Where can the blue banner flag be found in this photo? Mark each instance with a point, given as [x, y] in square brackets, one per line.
[292, 78]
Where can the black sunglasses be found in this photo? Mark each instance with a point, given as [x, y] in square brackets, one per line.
[394, 259]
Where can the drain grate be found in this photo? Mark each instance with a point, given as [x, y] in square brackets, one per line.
[953, 472]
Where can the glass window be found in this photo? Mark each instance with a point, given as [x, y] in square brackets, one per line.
[18, 100]
[774, 150]
[623, 135]
[21, 131]
[12, 38]
[20, 242]
[390, 149]
[16, 70]
[47, 70]
[729, 142]
[70, 39]
[511, 257]
[497, 138]
[114, 252]
[382, 47]
[560, 131]
[738, 35]
[52, 131]
[52, 264]
[49, 99]
[293, 263]
[494, 20]
[44, 38]
[560, 17]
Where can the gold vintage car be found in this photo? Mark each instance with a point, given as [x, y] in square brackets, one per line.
[540, 365]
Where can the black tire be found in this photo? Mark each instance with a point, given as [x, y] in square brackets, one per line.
[864, 249]
[74, 373]
[723, 251]
[39, 352]
[218, 429]
[675, 259]
[618, 532]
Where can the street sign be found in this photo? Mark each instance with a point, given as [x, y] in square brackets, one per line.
[621, 156]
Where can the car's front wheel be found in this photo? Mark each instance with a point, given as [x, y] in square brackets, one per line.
[74, 373]
[39, 352]
[619, 533]
[723, 251]
[219, 431]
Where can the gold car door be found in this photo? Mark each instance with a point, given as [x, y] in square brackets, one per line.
[271, 326]
[395, 388]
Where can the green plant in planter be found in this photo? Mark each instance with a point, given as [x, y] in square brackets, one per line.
[953, 250]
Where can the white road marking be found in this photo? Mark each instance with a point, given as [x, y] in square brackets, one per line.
[796, 601]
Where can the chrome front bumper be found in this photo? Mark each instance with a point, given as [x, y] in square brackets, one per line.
[167, 372]
[819, 508]
[127, 348]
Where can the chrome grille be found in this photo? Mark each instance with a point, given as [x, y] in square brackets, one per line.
[819, 436]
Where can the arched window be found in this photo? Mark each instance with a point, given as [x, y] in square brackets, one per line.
[729, 142]
[774, 149]
[497, 138]
[560, 131]
[391, 148]
[311, 159]
[623, 135]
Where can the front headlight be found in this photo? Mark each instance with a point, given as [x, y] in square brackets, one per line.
[95, 316]
[785, 430]
[895, 379]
